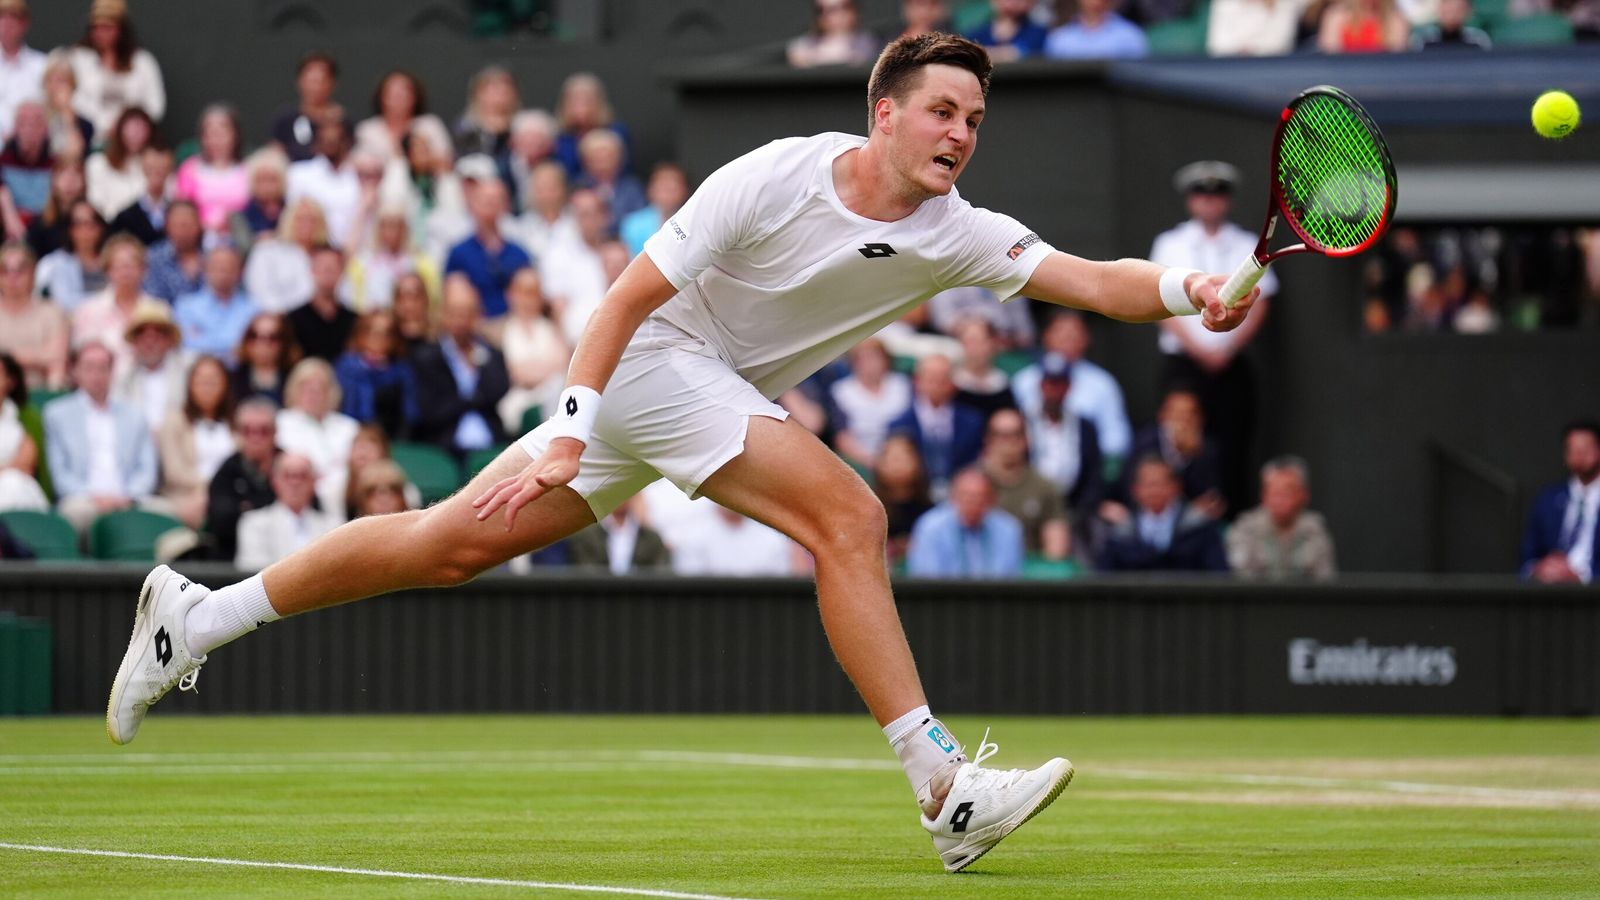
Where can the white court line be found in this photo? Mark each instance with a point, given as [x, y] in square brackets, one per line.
[1403, 787]
[371, 873]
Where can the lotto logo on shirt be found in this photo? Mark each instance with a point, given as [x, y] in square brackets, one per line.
[936, 734]
[1028, 240]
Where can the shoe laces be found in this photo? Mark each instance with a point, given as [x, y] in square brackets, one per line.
[992, 778]
[190, 680]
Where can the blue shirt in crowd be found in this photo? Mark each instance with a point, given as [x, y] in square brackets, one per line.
[1029, 39]
[213, 325]
[489, 272]
[1115, 38]
[941, 547]
[164, 277]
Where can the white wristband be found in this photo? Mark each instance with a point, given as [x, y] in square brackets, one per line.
[575, 413]
[1173, 295]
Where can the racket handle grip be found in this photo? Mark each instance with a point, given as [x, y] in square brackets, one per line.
[1242, 280]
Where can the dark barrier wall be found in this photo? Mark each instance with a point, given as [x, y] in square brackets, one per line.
[634, 645]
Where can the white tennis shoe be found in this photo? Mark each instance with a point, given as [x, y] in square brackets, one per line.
[158, 654]
[985, 805]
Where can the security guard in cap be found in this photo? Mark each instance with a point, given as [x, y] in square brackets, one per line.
[1212, 363]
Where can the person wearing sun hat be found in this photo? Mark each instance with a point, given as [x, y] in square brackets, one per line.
[113, 71]
[155, 382]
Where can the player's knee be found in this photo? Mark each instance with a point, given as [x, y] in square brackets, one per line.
[451, 558]
[857, 527]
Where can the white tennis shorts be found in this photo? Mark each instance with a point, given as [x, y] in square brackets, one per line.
[673, 408]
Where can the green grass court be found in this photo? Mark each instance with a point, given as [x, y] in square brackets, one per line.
[797, 807]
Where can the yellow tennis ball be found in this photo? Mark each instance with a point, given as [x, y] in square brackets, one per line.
[1555, 114]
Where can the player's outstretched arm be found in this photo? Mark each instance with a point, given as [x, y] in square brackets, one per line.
[1129, 290]
[637, 292]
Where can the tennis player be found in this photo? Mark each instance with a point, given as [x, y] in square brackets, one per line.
[781, 261]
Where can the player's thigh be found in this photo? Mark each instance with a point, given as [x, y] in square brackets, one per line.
[454, 526]
[788, 479]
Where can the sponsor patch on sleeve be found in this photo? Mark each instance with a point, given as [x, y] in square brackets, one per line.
[1028, 240]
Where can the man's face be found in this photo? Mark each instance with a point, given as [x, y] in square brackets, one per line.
[459, 314]
[125, 270]
[932, 380]
[1154, 487]
[548, 190]
[30, 127]
[1053, 392]
[971, 496]
[1067, 337]
[488, 204]
[977, 344]
[668, 191]
[315, 84]
[157, 168]
[258, 432]
[1209, 208]
[935, 130]
[183, 228]
[327, 267]
[294, 480]
[1006, 441]
[92, 372]
[1180, 412]
[266, 184]
[532, 142]
[1284, 495]
[333, 141]
[13, 30]
[592, 216]
[1583, 455]
[222, 271]
[151, 345]
[16, 276]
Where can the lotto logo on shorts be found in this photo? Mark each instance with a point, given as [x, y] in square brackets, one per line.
[936, 734]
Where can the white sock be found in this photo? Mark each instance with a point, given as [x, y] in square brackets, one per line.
[228, 613]
[924, 746]
[897, 729]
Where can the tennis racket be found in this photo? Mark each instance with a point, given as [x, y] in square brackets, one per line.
[1332, 182]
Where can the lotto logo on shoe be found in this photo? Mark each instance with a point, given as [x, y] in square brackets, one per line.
[163, 647]
[960, 818]
[937, 735]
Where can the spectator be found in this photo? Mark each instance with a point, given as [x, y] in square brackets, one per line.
[399, 107]
[32, 332]
[215, 317]
[1363, 26]
[310, 423]
[295, 128]
[75, 271]
[1163, 533]
[575, 274]
[376, 380]
[101, 456]
[460, 378]
[432, 192]
[583, 108]
[278, 275]
[48, 232]
[369, 171]
[868, 400]
[1066, 447]
[372, 273]
[1451, 31]
[1012, 321]
[547, 227]
[264, 357]
[924, 17]
[104, 317]
[485, 125]
[535, 352]
[949, 435]
[243, 481]
[728, 544]
[533, 141]
[21, 66]
[1095, 395]
[978, 383]
[667, 191]
[113, 71]
[215, 180]
[1562, 540]
[1253, 27]
[1029, 497]
[413, 311]
[176, 266]
[966, 536]
[1213, 363]
[601, 155]
[1011, 34]
[331, 179]
[488, 258]
[195, 439]
[70, 133]
[836, 38]
[902, 486]
[115, 174]
[155, 384]
[1281, 538]
[1097, 32]
[1178, 438]
[290, 522]
[620, 543]
[25, 164]
[268, 171]
[322, 324]
[380, 489]
[146, 218]
[342, 497]
[19, 454]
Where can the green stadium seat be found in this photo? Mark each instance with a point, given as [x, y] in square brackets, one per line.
[1037, 568]
[1489, 14]
[1538, 30]
[531, 417]
[1178, 37]
[432, 470]
[38, 397]
[129, 535]
[478, 459]
[49, 535]
[1013, 361]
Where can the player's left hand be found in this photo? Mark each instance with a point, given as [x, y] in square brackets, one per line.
[1206, 291]
[557, 466]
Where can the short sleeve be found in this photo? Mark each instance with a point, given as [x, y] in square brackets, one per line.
[997, 252]
[724, 213]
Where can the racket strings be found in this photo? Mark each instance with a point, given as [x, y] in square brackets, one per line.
[1333, 174]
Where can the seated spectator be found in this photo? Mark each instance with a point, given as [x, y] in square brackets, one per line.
[215, 180]
[295, 128]
[535, 352]
[1032, 499]
[1162, 533]
[1012, 321]
[667, 191]
[342, 497]
[32, 331]
[1095, 395]
[1562, 541]
[115, 175]
[924, 17]
[70, 133]
[25, 163]
[728, 544]
[146, 217]
[575, 274]
[1178, 437]
[1097, 32]
[602, 156]
[948, 434]
[413, 309]
[380, 489]
[533, 141]
[424, 181]
[1281, 538]
[547, 226]
[1253, 27]
[902, 486]
[460, 378]
[75, 271]
[19, 454]
[102, 458]
[330, 179]
[156, 382]
[1011, 34]
[104, 317]
[322, 324]
[488, 258]
[1363, 26]
[1066, 447]
[195, 439]
[966, 536]
[269, 172]
[836, 38]
[290, 522]
[583, 107]
[48, 230]
[979, 384]
[485, 125]
[278, 274]
[310, 423]
[868, 400]
[374, 376]
[369, 171]
[243, 481]
[399, 107]
[214, 318]
[620, 544]
[114, 72]
[176, 266]
[371, 274]
[265, 355]
[1451, 31]
[22, 65]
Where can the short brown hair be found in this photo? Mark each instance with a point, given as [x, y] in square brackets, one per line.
[898, 66]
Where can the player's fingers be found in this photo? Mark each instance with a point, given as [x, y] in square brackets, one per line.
[522, 498]
[502, 493]
[488, 495]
